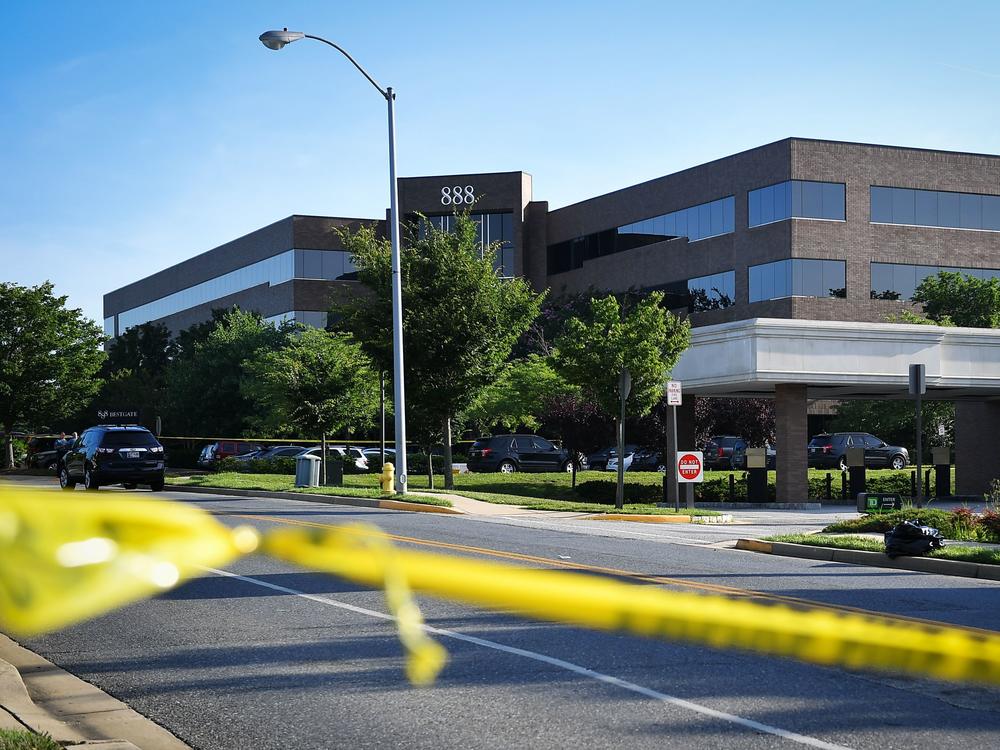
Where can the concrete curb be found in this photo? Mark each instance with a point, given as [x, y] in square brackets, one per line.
[874, 559]
[38, 695]
[637, 517]
[358, 502]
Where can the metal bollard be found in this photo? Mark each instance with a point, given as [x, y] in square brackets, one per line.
[829, 486]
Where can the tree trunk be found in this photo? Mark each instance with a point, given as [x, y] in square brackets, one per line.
[430, 467]
[322, 466]
[449, 477]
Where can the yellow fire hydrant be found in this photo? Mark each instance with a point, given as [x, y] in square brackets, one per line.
[387, 477]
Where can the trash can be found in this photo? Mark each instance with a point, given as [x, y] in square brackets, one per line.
[307, 471]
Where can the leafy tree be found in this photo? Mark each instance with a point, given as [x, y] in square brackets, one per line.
[519, 395]
[460, 318]
[49, 358]
[955, 299]
[134, 373]
[203, 388]
[893, 421]
[317, 383]
[578, 422]
[750, 418]
[646, 340]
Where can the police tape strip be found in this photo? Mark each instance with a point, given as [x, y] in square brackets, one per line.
[63, 560]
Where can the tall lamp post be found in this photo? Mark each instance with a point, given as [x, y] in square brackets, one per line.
[276, 40]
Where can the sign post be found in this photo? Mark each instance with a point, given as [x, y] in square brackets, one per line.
[624, 388]
[918, 387]
[673, 401]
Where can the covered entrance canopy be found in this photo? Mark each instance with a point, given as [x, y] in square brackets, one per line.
[796, 360]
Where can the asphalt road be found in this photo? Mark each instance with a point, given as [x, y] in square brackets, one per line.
[270, 656]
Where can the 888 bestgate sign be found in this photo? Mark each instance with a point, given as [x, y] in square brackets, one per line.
[690, 466]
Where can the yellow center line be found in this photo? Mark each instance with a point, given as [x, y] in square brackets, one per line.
[715, 588]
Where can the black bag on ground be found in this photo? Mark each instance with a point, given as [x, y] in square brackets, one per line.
[912, 538]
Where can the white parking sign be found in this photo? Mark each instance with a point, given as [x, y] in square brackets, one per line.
[673, 393]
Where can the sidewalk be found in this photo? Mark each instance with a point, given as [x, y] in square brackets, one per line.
[37, 695]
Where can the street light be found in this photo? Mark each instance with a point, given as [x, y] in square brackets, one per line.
[276, 40]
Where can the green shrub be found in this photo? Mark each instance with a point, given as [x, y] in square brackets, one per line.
[603, 491]
[182, 458]
[941, 520]
[282, 465]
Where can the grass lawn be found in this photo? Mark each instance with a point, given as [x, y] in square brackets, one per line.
[537, 491]
[15, 739]
[286, 483]
[870, 544]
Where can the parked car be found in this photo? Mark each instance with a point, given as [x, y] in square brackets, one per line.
[829, 451]
[612, 464]
[274, 451]
[739, 458]
[647, 459]
[129, 456]
[510, 453]
[215, 452]
[360, 459]
[45, 452]
[718, 451]
[598, 460]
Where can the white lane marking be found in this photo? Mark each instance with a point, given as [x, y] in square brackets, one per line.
[555, 662]
[593, 529]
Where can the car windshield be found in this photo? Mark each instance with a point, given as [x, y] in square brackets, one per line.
[725, 442]
[128, 439]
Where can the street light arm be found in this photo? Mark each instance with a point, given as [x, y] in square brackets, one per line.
[354, 62]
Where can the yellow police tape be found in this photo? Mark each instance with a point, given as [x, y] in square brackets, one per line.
[62, 560]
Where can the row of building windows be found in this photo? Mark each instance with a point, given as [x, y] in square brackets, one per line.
[712, 292]
[796, 199]
[900, 280]
[694, 223]
[935, 208]
[331, 265]
[798, 277]
[491, 229]
[791, 199]
[304, 317]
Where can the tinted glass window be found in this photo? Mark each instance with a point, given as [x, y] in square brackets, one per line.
[128, 439]
[872, 442]
[820, 441]
[798, 277]
[523, 443]
[801, 199]
[900, 280]
[935, 208]
[542, 444]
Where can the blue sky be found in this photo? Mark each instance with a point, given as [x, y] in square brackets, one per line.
[138, 134]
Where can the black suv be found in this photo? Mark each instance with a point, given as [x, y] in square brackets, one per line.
[830, 451]
[510, 453]
[720, 449]
[113, 455]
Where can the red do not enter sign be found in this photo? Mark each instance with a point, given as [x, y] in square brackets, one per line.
[690, 465]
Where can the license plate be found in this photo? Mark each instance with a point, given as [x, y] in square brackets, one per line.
[132, 454]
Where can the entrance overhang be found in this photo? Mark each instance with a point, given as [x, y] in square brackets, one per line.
[839, 360]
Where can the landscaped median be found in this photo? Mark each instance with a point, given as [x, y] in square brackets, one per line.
[842, 542]
[547, 492]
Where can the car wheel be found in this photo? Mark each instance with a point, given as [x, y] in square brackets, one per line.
[898, 462]
[662, 468]
[507, 467]
[842, 463]
[88, 480]
[52, 466]
[567, 466]
[156, 486]
[65, 481]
